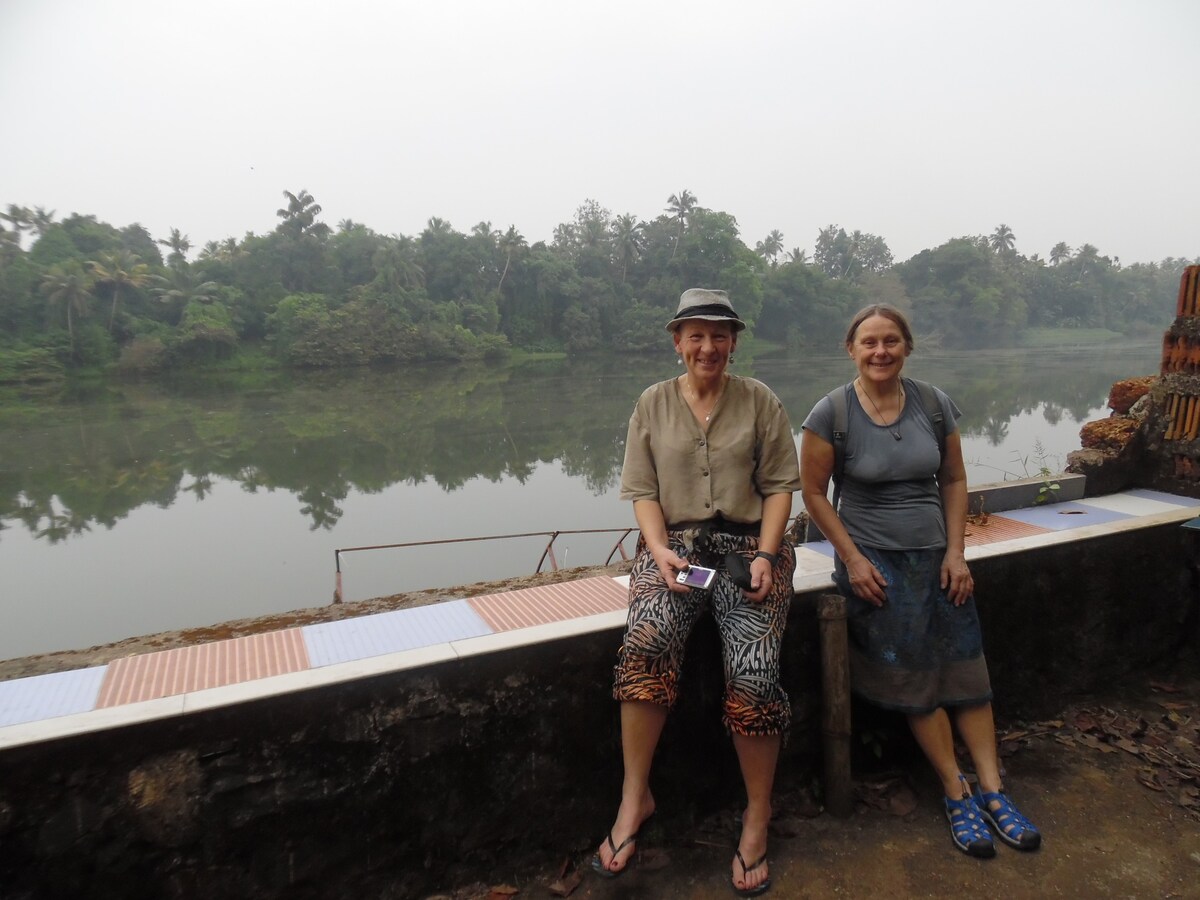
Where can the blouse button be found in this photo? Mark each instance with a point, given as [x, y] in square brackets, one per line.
[707, 505]
[701, 442]
[705, 473]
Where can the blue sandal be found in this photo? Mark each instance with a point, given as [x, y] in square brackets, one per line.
[968, 829]
[1012, 827]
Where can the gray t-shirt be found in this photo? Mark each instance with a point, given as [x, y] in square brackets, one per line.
[889, 497]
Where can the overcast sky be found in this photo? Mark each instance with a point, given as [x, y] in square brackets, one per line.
[919, 121]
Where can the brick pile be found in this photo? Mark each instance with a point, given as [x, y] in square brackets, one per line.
[1179, 390]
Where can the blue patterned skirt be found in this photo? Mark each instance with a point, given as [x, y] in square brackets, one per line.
[919, 651]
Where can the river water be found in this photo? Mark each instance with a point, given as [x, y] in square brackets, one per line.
[130, 508]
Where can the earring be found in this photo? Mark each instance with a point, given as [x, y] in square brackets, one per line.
[679, 360]
[731, 357]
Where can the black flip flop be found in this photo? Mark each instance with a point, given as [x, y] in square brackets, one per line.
[598, 864]
[754, 891]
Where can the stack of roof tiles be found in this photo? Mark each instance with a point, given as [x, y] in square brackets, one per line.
[1180, 372]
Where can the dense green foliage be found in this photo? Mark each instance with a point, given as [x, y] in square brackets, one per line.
[86, 295]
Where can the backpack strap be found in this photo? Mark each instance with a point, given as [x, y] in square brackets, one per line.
[933, 411]
[840, 398]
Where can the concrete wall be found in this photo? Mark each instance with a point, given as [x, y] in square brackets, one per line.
[397, 786]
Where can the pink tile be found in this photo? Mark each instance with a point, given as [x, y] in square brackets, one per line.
[999, 528]
[550, 603]
[153, 675]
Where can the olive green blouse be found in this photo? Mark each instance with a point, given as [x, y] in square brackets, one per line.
[747, 454]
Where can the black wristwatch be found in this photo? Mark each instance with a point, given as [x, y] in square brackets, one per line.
[769, 557]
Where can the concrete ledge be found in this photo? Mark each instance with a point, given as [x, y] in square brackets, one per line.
[1025, 492]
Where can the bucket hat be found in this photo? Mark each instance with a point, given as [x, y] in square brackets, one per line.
[705, 303]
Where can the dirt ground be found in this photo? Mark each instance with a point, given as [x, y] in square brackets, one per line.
[1113, 783]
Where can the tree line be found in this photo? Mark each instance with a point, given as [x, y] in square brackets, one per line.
[87, 295]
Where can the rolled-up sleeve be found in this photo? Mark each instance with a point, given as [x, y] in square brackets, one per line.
[778, 470]
[639, 480]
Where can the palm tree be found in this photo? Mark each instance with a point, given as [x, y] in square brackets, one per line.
[437, 226]
[1002, 239]
[512, 241]
[20, 218]
[70, 285]
[627, 235]
[796, 255]
[300, 215]
[770, 247]
[1087, 258]
[1060, 252]
[41, 220]
[10, 244]
[180, 287]
[119, 269]
[681, 206]
[396, 265]
[179, 245]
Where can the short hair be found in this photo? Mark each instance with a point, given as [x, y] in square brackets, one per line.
[888, 312]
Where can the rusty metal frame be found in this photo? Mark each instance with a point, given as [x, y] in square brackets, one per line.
[548, 552]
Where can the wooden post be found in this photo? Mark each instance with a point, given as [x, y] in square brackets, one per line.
[835, 706]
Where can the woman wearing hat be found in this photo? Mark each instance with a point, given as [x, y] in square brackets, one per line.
[710, 465]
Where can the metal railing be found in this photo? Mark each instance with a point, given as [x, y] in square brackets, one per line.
[547, 553]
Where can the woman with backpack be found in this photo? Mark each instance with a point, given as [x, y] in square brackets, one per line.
[893, 449]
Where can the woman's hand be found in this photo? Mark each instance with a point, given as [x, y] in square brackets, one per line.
[670, 564]
[866, 581]
[761, 580]
[956, 578]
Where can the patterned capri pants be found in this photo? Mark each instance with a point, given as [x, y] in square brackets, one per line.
[660, 621]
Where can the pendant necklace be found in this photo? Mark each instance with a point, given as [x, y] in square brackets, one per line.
[687, 383]
[899, 409]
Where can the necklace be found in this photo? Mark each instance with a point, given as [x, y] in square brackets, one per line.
[687, 387]
[891, 427]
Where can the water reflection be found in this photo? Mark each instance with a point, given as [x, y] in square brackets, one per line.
[130, 508]
[89, 457]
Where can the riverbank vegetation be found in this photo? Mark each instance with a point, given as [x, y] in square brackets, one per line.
[80, 295]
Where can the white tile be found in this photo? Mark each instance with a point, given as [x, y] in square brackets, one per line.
[1176, 499]
[802, 584]
[87, 722]
[811, 562]
[50, 696]
[1129, 504]
[360, 637]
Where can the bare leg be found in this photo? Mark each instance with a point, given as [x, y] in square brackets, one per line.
[978, 731]
[641, 727]
[757, 757]
[936, 739]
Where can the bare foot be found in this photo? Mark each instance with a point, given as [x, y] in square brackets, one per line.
[623, 835]
[750, 862]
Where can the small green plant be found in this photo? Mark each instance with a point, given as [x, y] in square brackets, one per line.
[1049, 488]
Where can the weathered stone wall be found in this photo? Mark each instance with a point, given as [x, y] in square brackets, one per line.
[399, 785]
[1152, 438]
